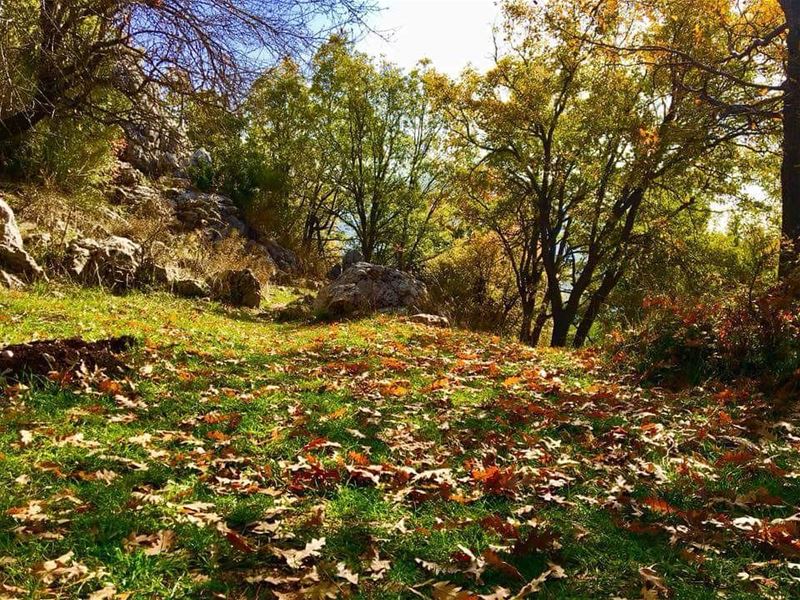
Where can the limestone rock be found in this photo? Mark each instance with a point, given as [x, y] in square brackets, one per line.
[9, 281]
[430, 320]
[113, 262]
[350, 258]
[284, 258]
[190, 288]
[365, 288]
[13, 257]
[201, 159]
[216, 213]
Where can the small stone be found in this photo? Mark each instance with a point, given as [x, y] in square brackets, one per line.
[430, 320]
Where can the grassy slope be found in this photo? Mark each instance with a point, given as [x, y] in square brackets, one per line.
[236, 438]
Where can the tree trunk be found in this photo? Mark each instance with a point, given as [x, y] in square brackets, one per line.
[526, 329]
[790, 170]
[609, 282]
[562, 321]
[541, 321]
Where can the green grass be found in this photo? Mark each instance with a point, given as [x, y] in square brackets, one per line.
[238, 439]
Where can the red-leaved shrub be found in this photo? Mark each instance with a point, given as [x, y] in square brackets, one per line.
[680, 343]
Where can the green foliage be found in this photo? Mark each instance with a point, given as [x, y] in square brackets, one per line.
[70, 154]
[202, 176]
[387, 137]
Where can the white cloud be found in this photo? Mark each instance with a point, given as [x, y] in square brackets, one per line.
[451, 33]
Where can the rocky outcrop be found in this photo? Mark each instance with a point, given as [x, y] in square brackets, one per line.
[365, 288]
[156, 141]
[218, 214]
[285, 260]
[152, 274]
[113, 263]
[237, 288]
[128, 176]
[16, 264]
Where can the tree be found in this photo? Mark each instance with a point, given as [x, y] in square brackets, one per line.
[284, 124]
[586, 144]
[56, 55]
[380, 124]
[759, 67]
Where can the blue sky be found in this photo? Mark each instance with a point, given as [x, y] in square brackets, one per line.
[452, 33]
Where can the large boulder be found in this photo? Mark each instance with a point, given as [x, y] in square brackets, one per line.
[113, 262]
[237, 288]
[14, 260]
[365, 288]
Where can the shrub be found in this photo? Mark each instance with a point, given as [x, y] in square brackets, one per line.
[204, 258]
[67, 154]
[472, 284]
[680, 343]
[202, 176]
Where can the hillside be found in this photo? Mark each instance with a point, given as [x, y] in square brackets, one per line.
[236, 456]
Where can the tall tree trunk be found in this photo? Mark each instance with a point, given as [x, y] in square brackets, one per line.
[790, 170]
[609, 282]
[562, 321]
[526, 329]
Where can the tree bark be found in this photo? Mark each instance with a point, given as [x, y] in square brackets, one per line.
[526, 329]
[790, 169]
[562, 321]
[596, 302]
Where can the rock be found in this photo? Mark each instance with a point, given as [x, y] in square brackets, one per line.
[201, 159]
[237, 288]
[38, 240]
[126, 175]
[170, 162]
[153, 274]
[136, 196]
[113, 262]
[334, 273]
[286, 260]
[350, 258]
[365, 288]
[298, 310]
[190, 288]
[13, 257]
[430, 320]
[156, 140]
[218, 214]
